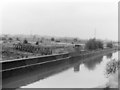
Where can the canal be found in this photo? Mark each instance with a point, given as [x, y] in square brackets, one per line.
[75, 73]
[69, 73]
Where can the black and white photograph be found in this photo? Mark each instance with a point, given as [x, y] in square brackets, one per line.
[59, 44]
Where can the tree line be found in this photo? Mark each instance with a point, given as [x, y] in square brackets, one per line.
[93, 44]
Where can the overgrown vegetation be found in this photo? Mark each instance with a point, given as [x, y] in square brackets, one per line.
[113, 73]
[94, 44]
[112, 66]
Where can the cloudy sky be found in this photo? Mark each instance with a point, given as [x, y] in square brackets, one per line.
[64, 18]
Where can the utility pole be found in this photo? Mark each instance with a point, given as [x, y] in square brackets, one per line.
[95, 33]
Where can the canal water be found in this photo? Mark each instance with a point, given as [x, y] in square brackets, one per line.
[75, 73]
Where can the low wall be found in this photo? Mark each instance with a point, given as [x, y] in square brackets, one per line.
[24, 62]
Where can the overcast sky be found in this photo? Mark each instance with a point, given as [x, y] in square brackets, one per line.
[69, 18]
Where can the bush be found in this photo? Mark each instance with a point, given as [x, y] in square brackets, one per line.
[112, 66]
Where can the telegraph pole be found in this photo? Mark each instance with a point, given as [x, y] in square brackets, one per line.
[95, 33]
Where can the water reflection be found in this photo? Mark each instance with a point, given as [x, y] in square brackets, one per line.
[91, 63]
[40, 72]
[90, 74]
[77, 68]
[69, 79]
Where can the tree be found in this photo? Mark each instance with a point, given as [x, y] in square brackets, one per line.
[3, 38]
[93, 44]
[110, 45]
[75, 40]
[17, 39]
[25, 41]
[10, 39]
[90, 45]
[99, 44]
[41, 41]
[52, 39]
[37, 43]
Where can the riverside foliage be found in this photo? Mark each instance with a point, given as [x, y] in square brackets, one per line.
[94, 44]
